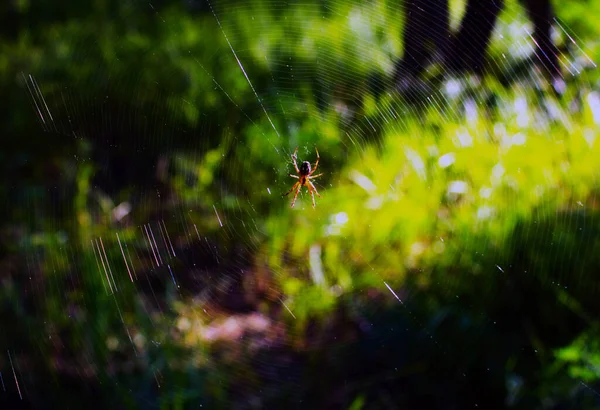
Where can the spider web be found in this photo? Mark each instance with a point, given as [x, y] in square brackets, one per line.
[174, 274]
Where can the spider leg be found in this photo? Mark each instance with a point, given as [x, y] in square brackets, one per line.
[294, 158]
[294, 187]
[312, 195]
[316, 163]
[315, 176]
[296, 195]
[310, 184]
[295, 176]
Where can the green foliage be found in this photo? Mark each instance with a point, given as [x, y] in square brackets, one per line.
[422, 199]
[582, 358]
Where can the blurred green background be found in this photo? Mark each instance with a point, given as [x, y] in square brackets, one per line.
[148, 259]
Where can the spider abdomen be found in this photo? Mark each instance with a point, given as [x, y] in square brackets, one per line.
[305, 168]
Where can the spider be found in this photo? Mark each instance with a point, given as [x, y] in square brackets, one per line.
[305, 174]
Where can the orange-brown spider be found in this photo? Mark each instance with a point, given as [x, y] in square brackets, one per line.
[305, 174]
